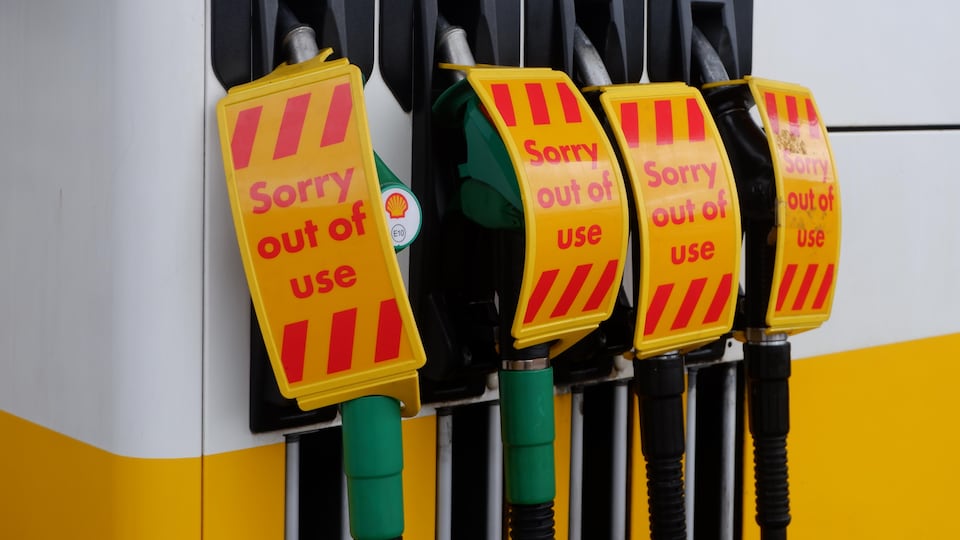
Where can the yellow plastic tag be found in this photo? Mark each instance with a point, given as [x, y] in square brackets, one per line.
[808, 206]
[688, 213]
[313, 237]
[574, 201]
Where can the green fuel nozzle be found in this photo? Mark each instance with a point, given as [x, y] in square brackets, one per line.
[526, 410]
[372, 441]
[373, 464]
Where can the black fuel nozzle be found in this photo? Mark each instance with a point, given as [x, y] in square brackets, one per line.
[452, 282]
[752, 165]
[658, 382]
[766, 354]
[593, 356]
[659, 385]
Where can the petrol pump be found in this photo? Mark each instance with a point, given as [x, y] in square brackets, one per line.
[318, 217]
[533, 169]
[790, 208]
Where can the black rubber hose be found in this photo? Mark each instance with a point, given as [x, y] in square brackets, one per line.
[286, 19]
[531, 521]
[659, 385]
[768, 371]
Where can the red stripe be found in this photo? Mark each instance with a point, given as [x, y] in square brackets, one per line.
[720, 299]
[342, 330]
[603, 286]
[808, 276]
[772, 113]
[293, 350]
[785, 285]
[504, 103]
[538, 104]
[571, 107]
[824, 289]
[389, 326]
[573, 289]
[663, 111]
[812, 119]
[659, 302]
[630, 123]
[689, 304]
[338, 116]
[695, 120]
[244, 133]
[540, 294]
[793, 116]
[291, 127]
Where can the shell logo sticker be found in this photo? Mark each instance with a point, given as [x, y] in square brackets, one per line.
[688, 214]
[314, 239]
[574, 202]
[403, 215]
[808, 209]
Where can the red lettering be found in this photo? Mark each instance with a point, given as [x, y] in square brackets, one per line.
[807, 238]
[563, 153]
[256, 193]
[344, 276]
[579, 236]
[678, 215]
[291, 241]
[693, 252]
[563, 195]
[286, 195]
[593, 235]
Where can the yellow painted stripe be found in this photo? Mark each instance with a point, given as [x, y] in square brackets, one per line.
[243, 494]
[52, 486]
[244, 489]
[872, 456]
[419, 477]
[873, 444]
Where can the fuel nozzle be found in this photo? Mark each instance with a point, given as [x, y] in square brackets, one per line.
[299, 41]
[658, 381]
[752, 165]
[372, 439]
[489, 196]
[766, 354]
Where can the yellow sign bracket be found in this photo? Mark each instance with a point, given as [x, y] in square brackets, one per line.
[313, 236]
[808, 215]
[687, 210]
[574, 203]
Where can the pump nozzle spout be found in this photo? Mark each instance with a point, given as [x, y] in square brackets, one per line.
[299, 40]
[711, 66]
[587, 61]
[300, 44]
[453, 47]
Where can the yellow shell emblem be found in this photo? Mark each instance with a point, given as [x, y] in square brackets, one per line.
[397, 206]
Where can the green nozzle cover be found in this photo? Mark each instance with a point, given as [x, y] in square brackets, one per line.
[490, 195]
[526, 412]
[373, 463]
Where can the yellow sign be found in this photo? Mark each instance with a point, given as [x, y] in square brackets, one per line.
[687, 210]
[808, 206]
[574, 201]
[313, 236]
